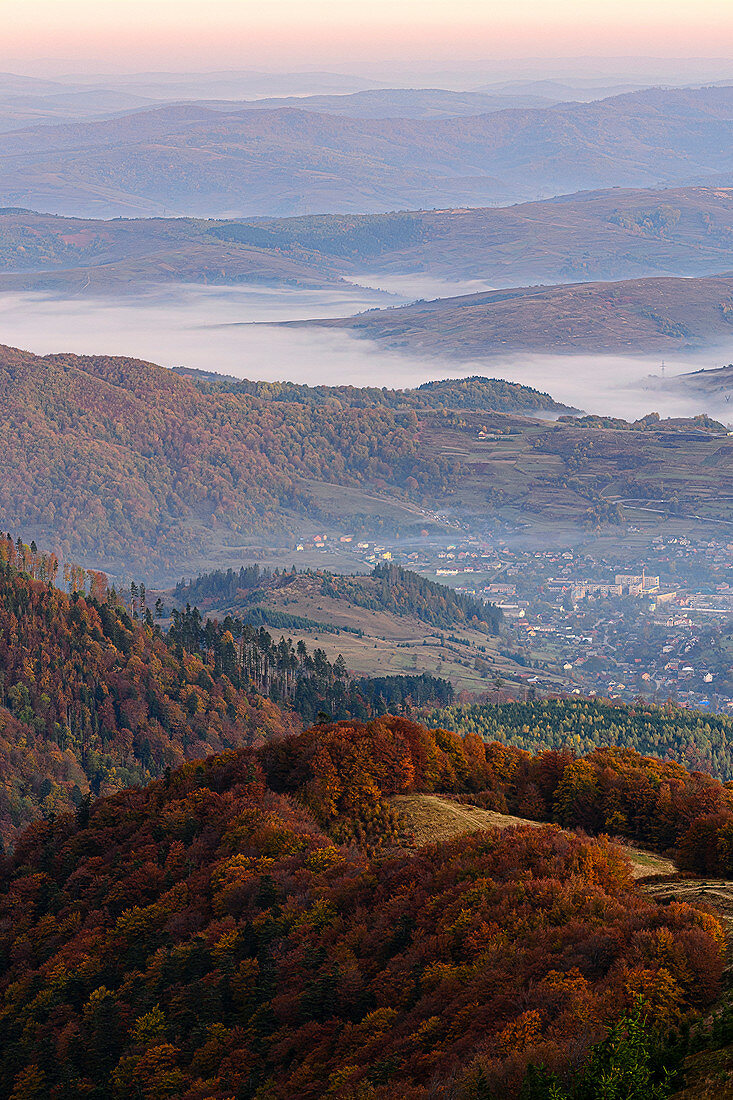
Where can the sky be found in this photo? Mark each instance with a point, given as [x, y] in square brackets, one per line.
[164, 34]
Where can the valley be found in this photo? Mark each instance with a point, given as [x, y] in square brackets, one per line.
[434, 459]
[366, 535]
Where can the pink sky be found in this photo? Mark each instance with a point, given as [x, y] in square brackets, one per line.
[243, 33]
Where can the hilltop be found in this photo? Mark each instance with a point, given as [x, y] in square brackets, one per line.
[388, 587]
[378, 103]
[474, 392]
[390, 623]
[717, 381]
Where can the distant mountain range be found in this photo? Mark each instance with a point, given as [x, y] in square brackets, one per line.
[187, 159]
[18, 111]
[28, 100]
[610, 234]
[400, 103]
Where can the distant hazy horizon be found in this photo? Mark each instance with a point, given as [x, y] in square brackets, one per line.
[230, 34]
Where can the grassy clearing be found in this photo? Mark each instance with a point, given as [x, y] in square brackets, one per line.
[432, 818]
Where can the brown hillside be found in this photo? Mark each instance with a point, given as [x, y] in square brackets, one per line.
[635, 316]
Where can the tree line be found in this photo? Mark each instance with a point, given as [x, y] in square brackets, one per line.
[697, 739]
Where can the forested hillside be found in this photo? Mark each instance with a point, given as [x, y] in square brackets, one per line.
[126, 465]
[125, 461]
[249, 923]
[92, 700]
[695, 739]
[289, 674]
[94, 697]
[205, 937]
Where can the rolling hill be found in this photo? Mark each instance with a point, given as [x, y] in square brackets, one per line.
[72, 255]
[633, 316]
[595, 235]
[124, 463]
[196, 161]
[72, 103]
[624, 233]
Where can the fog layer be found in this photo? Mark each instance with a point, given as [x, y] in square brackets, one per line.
[212, 329]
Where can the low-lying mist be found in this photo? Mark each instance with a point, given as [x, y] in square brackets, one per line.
[420, 284]
[212, 329]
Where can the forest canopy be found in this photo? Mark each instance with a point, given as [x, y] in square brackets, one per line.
[699, 740]
[205, 937]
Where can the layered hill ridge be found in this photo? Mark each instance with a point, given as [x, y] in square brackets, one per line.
[423, 103]
[678, 231]
[287, 161]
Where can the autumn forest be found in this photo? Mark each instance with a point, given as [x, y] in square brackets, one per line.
[366, 550]
[208, 890]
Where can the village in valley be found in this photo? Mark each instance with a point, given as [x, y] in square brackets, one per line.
[660, 629]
